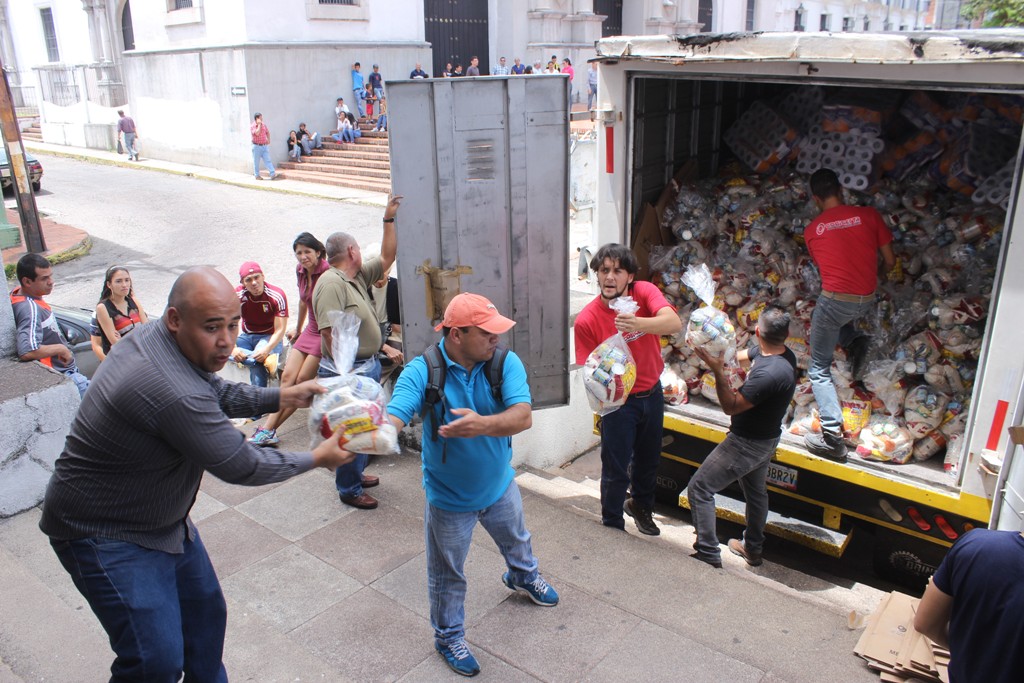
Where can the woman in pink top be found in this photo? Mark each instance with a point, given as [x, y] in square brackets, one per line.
[304, 356]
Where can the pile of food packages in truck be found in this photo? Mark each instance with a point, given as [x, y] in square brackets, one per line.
[939, 169]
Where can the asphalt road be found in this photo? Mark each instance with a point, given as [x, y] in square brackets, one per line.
[158, 224]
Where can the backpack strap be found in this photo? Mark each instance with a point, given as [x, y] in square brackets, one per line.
[494, 370]
[436, 374]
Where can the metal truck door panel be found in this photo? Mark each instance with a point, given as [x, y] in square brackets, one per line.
[483, 166]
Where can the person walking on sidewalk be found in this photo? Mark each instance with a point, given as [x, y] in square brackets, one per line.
[630, 436]
[757, 409]
[261, 147]
[116, 509]
[345, 287]
[844, 242]
[129, 132]
[467, 472]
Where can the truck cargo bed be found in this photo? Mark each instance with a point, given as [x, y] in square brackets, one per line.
[930, 472]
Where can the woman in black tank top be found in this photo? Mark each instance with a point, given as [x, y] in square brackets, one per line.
[117, 312]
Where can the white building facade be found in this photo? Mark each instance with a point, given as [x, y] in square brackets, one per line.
[192, 73]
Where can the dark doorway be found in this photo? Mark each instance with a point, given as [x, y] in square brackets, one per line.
[612, 26]
[127, 31]
[457, 30]
[705, 10]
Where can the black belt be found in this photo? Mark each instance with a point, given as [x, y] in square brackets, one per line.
[642, 394]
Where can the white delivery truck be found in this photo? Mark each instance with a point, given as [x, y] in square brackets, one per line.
[697, 113]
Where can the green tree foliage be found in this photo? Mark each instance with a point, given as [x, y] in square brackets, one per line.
[995, 13]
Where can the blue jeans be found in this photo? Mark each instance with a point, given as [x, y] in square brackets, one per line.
[164, 613]
[311, 142]
[735, 459]
[348, 478]
[258, 375]
[80, 380]
[448, 535]
[358, 96]
[591, 96]
[831, 324]
[129, 145]
[630, 436]
[262, 153]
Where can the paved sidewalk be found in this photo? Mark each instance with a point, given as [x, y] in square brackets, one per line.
[320, 591]
[230, 177]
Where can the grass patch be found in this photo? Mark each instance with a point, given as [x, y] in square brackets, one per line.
[77, 251]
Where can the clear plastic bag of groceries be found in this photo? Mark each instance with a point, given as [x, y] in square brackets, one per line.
[709, 327]
[354, 404]
[609, 372]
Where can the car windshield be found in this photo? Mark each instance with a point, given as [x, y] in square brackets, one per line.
[3, 156]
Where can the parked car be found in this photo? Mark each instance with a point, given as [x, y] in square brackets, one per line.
[76, 324]
[35, 171]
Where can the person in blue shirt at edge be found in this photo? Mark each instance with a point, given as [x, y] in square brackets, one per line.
[467, 472]
[358, 85]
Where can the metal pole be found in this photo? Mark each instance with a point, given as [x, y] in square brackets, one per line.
[30, 225]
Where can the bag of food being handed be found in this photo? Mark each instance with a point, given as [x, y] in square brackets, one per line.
[609, 372]
[354, 404]
[709, 327]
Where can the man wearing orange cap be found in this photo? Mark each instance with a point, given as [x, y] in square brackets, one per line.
[467, 472]
[264, 321]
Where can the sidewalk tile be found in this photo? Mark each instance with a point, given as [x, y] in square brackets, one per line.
[289, 587]
[234, 541]
[298, 507]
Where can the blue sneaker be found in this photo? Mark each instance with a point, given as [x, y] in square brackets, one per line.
[458, 657]
[265, 437]
[538, 590]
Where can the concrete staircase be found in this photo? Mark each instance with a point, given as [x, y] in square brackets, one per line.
[364, 165]
[32, 134]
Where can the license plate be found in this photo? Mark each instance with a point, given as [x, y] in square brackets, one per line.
[781, 476]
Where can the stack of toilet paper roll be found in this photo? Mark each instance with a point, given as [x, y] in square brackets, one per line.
[852, 155]
[761, 138]
[995, 189]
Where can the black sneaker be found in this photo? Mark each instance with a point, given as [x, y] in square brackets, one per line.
[857, 354]
[826, 445]
[716, 563]
[642, 516]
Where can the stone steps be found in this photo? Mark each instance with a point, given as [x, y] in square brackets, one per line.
[338, 178]
[364, 164]
[33, 133]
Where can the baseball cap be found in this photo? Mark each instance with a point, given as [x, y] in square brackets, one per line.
[473, 310]
[376, 66]
[248, 268]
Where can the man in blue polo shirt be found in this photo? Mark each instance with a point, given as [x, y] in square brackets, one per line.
[467, 473]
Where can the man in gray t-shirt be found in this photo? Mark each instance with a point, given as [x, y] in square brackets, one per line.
[117, 506]
[39, 338]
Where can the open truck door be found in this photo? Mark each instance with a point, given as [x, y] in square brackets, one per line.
[483, 164]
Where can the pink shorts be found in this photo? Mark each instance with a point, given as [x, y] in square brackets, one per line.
[308, 342]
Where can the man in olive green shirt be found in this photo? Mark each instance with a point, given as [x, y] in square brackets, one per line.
[345, 287]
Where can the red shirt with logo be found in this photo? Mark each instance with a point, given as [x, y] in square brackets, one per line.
[844, 242]
[258, 313]
[596, 322]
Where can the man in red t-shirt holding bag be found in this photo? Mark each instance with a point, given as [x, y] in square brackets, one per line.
[633, 432]
[844, 242]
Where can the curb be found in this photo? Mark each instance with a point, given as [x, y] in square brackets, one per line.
[191, 174]
[78, 250]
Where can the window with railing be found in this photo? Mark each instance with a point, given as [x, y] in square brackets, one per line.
[49, 34]
[825, 23]
[799, 18]
[338, 10]
[180, 4]
[750, 15]
[867, 24]
[339, 2]
[847, 24]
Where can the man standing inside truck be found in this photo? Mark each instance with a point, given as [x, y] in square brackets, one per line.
[757, 409]
[632, 434]
[844, 242]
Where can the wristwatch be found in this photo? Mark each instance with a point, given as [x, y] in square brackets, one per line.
[389, 220]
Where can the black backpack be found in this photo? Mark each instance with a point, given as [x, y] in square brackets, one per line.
[437, 371]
